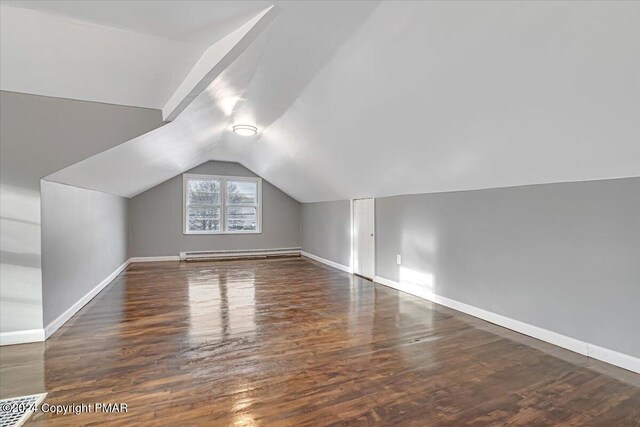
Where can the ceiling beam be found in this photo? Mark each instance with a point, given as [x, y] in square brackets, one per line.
[214, 61]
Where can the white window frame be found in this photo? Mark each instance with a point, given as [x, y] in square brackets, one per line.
[223, 203]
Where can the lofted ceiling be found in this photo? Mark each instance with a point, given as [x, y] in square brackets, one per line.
[132, 53]
[187, 21]
[366, 99]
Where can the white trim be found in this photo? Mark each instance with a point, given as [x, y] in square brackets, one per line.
[614, 358]
[28, 407]
[215, 59]
[587, 349]
[375, 236]
[154, 258]
[409, 288]
[223, 203]
[327, 262]
[52, 327]
[353, 235]
[36, 335]
[21, 337]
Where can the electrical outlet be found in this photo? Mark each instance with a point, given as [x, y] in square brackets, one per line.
[398, 259]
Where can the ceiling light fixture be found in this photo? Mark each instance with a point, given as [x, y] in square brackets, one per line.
[245, 130]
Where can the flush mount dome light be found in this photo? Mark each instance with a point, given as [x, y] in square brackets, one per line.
[245, 130]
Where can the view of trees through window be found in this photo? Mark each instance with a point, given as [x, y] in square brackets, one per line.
[206, 210]
[242, 203]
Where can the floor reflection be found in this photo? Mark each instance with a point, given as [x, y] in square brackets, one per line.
[221, 304]
[22, 370]
[288, 342]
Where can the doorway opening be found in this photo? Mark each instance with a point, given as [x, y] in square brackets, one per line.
[363, 235]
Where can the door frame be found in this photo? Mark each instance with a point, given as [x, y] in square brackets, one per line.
[353, 235]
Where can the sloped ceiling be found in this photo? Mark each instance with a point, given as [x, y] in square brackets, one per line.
[367, 99]
[132, 53]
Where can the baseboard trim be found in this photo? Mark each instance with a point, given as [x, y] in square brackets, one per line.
[154, 258]
[36, 335]
[21, 337]
[52, 327]
[587, 349]
[614, 358]
[327, 262]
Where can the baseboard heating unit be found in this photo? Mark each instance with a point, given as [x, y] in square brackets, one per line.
[238, 254]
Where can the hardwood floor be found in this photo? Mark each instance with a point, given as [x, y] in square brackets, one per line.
[292, 342]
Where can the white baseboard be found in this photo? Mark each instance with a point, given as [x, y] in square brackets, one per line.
[154, 258]
[614, 358]
[327, 262]
[21, 337]
[64, 317]
[587, 349]
[35, 335]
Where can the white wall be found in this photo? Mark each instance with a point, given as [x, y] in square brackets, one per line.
[38, 136]
[20, 276]
[85, 238]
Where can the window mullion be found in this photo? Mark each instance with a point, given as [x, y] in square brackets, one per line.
[223, 203]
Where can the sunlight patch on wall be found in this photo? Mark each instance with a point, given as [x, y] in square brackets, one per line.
[425, 280]
[20, 270]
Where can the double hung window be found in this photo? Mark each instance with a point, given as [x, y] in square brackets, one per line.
[222, 204]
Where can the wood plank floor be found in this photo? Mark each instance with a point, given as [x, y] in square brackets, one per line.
[291, 342]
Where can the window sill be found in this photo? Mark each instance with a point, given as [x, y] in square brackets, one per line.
[214, 233]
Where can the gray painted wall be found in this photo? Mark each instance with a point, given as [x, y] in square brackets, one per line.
[38, 136]
[326, 230]
[564, 257]
[156, 219]
[20, 275]
[41, 135]
[85, 235]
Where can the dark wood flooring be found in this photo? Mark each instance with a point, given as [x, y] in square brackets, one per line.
[293, 342]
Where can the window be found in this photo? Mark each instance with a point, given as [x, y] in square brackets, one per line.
[222, 204]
